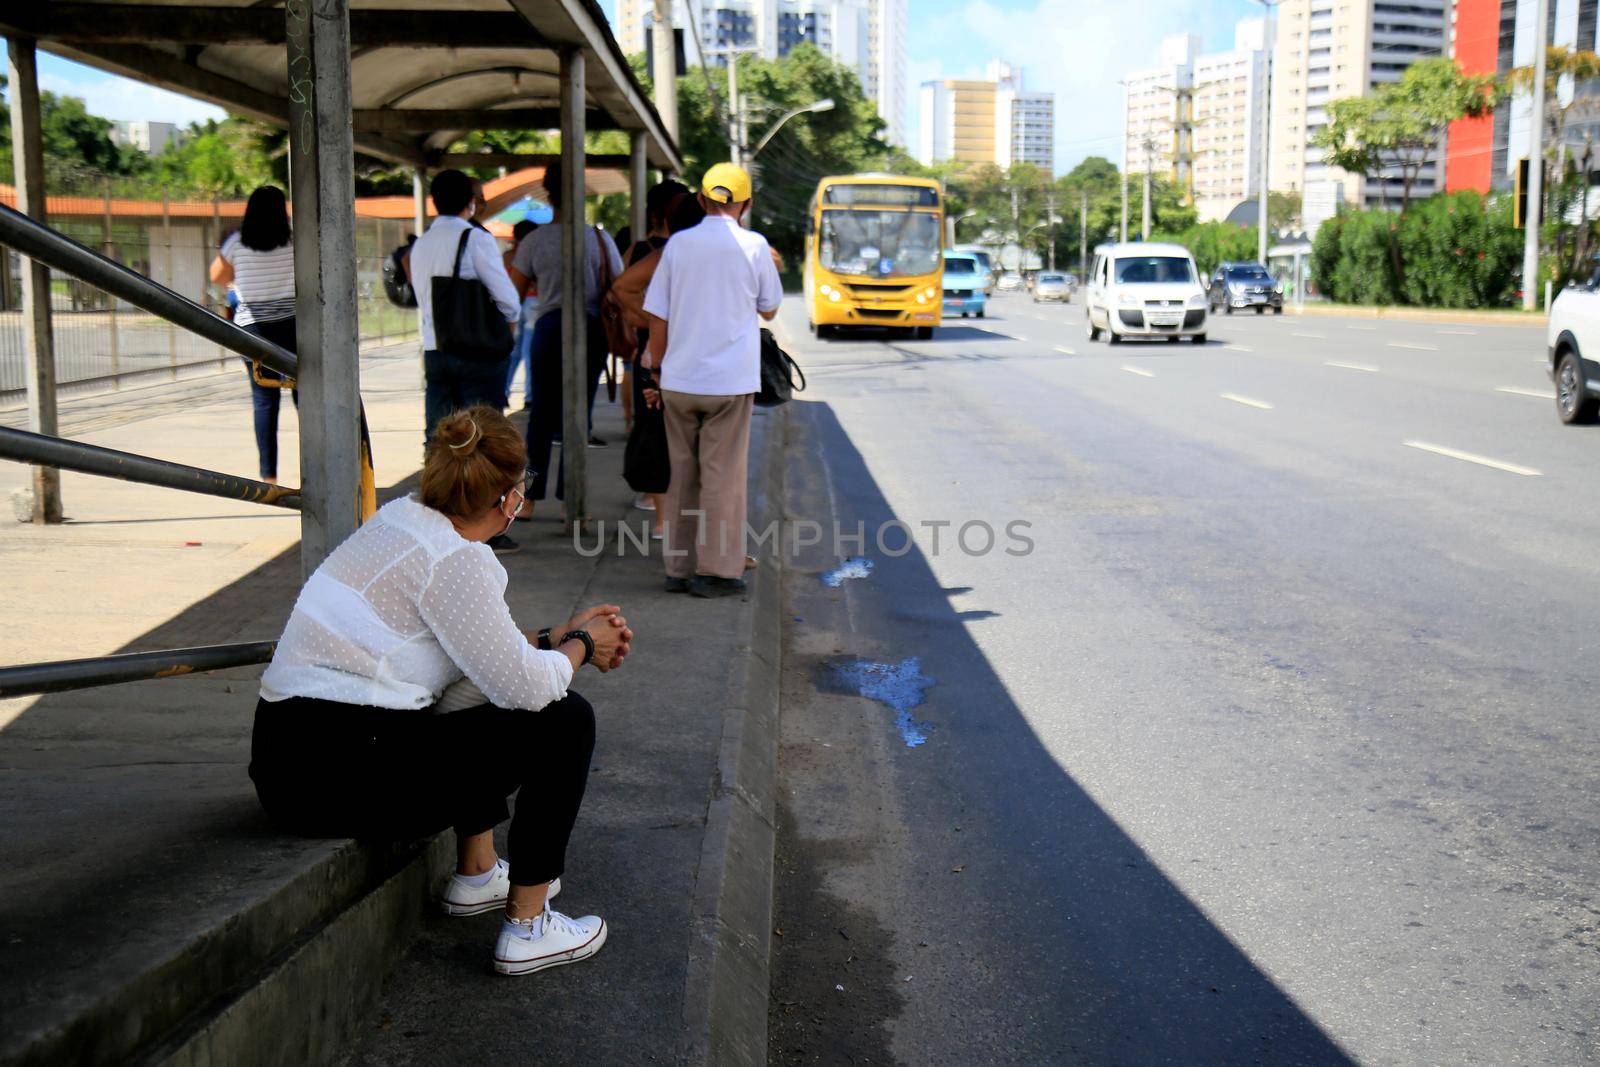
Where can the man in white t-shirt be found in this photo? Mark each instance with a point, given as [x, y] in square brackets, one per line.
[713, 282]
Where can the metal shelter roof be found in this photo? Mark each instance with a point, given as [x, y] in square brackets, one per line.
[422, 71]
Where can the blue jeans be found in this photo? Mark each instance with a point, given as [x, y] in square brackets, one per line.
[455, 384]
[266, 400]
[522, 352]
[544, 417]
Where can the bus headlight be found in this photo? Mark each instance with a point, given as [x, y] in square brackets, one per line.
[927, 294]
[834, 295]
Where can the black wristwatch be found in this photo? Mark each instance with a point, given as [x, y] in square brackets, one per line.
[543, 642]
[588, 643]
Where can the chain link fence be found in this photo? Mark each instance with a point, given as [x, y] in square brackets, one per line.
[102, 344]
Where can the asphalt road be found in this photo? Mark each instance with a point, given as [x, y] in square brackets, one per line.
[1278, 745]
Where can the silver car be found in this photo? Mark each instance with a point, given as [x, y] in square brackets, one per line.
[1052, 287]
[1010, 281]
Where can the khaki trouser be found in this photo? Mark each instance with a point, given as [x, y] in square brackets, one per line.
[708, 440]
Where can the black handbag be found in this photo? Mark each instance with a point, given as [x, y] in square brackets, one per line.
[466, 321]
[646, 467]
[778, 371]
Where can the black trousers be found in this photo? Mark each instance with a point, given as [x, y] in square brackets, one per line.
[545, 420]
[326, 769]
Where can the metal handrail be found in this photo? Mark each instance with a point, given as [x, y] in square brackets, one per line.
[39, 242]
[45, 451]
[29, 679]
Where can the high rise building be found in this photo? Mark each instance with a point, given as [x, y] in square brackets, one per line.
[868, 36]
[149, 137]
[1198, 119]
[1327, 50]
[997, 120]
[1494, 37]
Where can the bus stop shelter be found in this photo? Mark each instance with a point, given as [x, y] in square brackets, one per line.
[396, 81]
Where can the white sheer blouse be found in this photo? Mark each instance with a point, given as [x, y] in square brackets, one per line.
[403, 608]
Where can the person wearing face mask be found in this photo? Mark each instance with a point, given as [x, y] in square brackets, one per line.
[454, 383]
[714, 284]
[354, 737]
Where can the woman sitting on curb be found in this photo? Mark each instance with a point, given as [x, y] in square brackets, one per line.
[350, 736]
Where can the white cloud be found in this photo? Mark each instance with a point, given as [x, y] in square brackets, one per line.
[114, 97]
[1079, 50]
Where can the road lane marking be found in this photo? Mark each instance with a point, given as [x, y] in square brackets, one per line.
[1313, 336]
[1140, 371]
[1246, 401]
[1238, 348]
[1469, 457]
[1369, 368]
[1541, 394]
[1414, 344]
[1459, 333]
[1350, 327]
[1065, 351]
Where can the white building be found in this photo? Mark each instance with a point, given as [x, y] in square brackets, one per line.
[868, 36]
[1198, 119]
[997, 120]
[151, 138]
[1331, 49]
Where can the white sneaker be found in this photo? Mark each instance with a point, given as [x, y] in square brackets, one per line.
[463, 898]
[547, 940]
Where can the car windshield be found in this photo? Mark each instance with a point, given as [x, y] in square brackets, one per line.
[1247, 274]
[883, 244]
[1049, 279]
[1156, 269]
[960, 265]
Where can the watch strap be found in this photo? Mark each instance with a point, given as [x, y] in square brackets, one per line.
[588, 643]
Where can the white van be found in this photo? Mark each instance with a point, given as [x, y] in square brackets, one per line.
[1142, 289]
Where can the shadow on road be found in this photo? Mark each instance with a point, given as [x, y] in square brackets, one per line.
[1037, 929]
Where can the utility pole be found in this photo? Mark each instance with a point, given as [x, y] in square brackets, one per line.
[1533, 216]
[735, 139]
[1050, 213]
[1083, 239]
[1149, 156]
[1266, 131]
[664, 66]
[1124, 235]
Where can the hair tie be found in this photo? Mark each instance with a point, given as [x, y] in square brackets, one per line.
[476, 433]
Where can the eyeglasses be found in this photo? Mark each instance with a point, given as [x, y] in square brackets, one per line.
[521, 489]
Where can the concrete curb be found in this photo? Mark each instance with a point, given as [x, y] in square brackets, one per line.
[1409, 314]
[728, 980]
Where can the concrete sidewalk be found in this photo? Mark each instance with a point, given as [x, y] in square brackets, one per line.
[149, 914]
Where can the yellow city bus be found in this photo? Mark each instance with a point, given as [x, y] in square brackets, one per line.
[875, 253]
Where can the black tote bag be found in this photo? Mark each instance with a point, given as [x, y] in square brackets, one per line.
[466, 321]
[778, 370]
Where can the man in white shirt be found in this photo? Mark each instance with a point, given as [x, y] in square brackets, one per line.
[455, 383]
[713, 281]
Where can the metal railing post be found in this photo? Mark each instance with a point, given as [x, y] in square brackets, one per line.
[37, 338]
[326, 305]
[172, 275]
[110, 246]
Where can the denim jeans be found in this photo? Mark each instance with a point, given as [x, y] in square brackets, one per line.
[267, 400]
[544, 418]
[521, 353]
[455, 384]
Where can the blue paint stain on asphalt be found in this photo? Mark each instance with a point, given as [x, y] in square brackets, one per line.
[854, 567]
[902, 686]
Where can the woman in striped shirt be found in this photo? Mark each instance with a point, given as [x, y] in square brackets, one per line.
[258, 262]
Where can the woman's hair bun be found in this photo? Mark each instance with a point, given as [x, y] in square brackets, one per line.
[460, 433]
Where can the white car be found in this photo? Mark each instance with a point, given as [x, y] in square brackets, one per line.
[1143, 289]
[1572, 343]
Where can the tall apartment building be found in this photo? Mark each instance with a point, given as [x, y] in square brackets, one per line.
[1330, 49]
[1493, 37]
[1198, 119]
[997, 120]
[868, 36]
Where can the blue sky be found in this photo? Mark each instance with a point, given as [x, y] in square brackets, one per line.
[1075, 48]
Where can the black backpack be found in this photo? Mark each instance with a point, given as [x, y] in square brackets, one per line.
[395, 286]
[778, 371]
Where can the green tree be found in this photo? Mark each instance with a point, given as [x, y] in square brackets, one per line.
[78, 148]
[1399, 125]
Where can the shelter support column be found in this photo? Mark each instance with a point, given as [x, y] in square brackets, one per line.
[638, 179]
[574, 319]
[327, 329]
[37, 340]
[419, 204]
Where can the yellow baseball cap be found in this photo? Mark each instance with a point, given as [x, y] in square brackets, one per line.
[726, 184]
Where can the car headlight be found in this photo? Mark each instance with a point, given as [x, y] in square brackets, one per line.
[1127, 301]
[1198, 300]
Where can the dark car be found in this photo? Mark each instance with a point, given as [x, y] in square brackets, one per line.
[1244, 285]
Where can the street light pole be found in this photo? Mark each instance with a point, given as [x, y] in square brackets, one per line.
[1083, 239]
[1149, 158]
[1532, 217]
[809, 109]
[1266, 129]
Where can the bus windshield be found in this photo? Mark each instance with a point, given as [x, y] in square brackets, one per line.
[884, 244]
